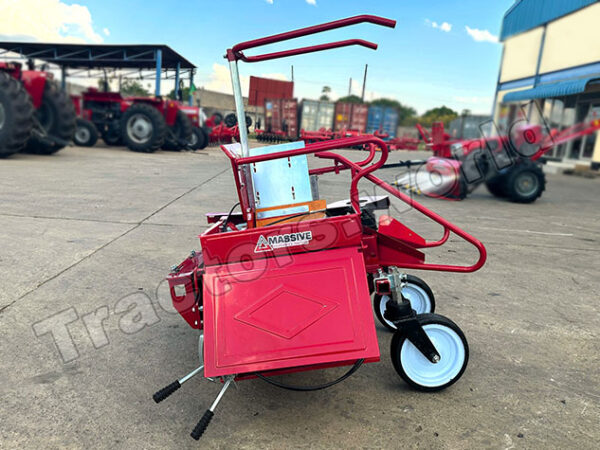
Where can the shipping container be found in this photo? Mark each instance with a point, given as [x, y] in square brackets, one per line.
[382, 119]
[315, 115]
[262, 89]
[281, 116]
[352, 116]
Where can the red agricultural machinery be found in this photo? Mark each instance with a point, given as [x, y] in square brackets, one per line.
[224, 130]
[142, 124]
[284, 286]
[507, 164]
[35, 115]
[324, 134]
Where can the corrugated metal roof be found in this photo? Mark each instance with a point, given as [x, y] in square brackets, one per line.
[550, 90]
[527, 14]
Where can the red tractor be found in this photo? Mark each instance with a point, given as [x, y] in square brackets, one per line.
[142, 124]
[35, 115]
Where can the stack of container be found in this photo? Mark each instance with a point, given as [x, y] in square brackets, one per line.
[352, 116]
[315, 115]
[281, 116]
[382, 119]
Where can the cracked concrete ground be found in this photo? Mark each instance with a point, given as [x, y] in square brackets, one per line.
[87, 232]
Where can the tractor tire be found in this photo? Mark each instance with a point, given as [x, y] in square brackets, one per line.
[525, 182]
[199, 139]
[143, 128]
[86, 134]
[179, 134]
[57, 118]
[230, 120]
[16, 111]
[112, 135]
[495, 186]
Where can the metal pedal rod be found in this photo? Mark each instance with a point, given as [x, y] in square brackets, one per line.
[202, 424]
[160, 395]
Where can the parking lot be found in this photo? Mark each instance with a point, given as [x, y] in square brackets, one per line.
[92, 232]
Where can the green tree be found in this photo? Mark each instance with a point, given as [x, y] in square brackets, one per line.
[133, 88]
[350, 99]
[104, 84]
[185, 92]
[439, 114]
[326, 90]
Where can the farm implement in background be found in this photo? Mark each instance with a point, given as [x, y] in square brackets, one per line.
[509, 165]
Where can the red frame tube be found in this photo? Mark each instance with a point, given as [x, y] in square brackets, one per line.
[235, 53]
[361, 170]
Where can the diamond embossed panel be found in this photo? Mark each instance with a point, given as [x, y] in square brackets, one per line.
[286, 312]
[296, 310]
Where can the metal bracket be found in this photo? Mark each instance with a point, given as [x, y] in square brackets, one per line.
[399, 311]
[415, 333]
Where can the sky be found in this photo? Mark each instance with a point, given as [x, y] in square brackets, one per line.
[440, 53]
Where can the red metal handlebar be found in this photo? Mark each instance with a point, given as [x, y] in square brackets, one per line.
[310, 49]
[362, 170]
[235, 53]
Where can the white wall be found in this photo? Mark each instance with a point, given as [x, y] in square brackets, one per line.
[572, 40]
[521, 55]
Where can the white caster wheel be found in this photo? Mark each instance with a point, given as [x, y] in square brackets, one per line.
[416, 291]
[417, 370]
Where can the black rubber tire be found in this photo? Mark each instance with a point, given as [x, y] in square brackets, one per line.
[87, 138]
[113, 135]
[495, 186]
[524, 168]
[17, 111]
[230, 120]
[180, 132]
[400, 338]
[411, 279]
[248, 121]
[158, 132]
[199, 138]
[57, 117]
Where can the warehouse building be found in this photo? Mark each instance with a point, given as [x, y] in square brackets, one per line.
[551, 59]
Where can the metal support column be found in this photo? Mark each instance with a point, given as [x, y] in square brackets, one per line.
[190, 97]
[239, 107]
[158, 71]
[63, 78]
[176, 90]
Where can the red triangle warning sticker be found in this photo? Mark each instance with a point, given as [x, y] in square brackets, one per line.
[262, 245]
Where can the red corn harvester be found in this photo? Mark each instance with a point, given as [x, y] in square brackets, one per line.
[284, 286]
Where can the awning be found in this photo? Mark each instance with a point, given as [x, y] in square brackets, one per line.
[97, 56]
[551, 90]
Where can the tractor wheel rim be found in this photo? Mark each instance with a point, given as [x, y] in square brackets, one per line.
[452, 357]
[82, 134]
[418, 298]
[2, 116]
[140, 128]
[527, 183]
[193, 139]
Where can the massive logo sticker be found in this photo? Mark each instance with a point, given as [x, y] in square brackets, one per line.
[282, 240]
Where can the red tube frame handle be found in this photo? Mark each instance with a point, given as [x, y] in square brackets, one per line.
[235, 53]
[311, 49]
